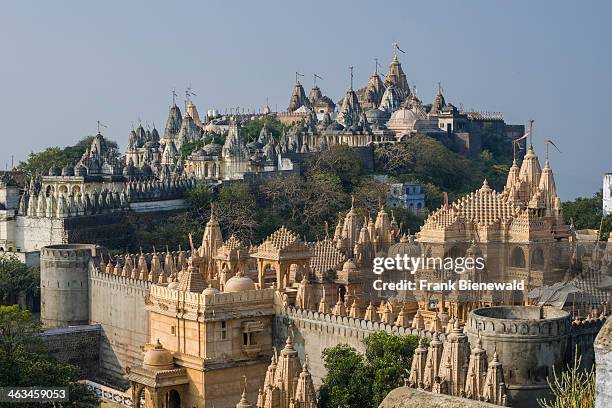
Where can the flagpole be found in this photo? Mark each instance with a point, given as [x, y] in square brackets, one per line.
[531, 133]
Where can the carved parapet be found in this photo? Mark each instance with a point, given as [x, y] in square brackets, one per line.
[520, 321]
[68, 251]
[211, 306]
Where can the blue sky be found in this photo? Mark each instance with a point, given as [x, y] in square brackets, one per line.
[66, 65]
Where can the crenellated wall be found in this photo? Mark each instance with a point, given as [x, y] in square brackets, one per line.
[314, 332]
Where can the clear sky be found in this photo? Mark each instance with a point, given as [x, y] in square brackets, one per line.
[65, 65]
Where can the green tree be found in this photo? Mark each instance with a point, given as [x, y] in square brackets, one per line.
[388, 357]
[340, 160]
[348, 382]
[427, 161]
[587, 213]
[16, 278]
[357, 380]
[25, 363]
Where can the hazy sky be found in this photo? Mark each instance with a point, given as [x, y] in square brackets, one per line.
[65, 65]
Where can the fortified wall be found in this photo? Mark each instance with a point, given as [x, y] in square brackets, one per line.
[117, 304]
[314, 332]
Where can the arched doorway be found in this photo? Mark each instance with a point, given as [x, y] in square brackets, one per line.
[174, 399]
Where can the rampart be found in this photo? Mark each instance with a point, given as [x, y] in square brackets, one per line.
[314, 332]
[117, 304]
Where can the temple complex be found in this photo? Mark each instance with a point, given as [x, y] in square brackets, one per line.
[211, 318]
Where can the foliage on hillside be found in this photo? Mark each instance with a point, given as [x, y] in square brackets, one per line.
[427, 161]
[356, 380]
[307, 203]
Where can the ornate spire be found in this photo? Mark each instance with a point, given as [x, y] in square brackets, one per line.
[417, 371]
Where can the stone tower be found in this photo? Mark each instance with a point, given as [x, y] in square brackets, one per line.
[64, 284]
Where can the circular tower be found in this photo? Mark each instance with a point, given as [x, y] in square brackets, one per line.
[531, 341]
[64, 284]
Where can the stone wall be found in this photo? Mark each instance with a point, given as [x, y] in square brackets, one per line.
[77, 345]
[117, 304]
[314, 332]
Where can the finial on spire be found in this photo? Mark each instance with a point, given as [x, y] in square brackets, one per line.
[351, 70]
[375, 66]
[174, 95]
[352, 201]
[548, 141]
[396, 48]
[315, 79]
[531, 133]
[440, 88]
[189, 93]
[100, 124]
[297, 75]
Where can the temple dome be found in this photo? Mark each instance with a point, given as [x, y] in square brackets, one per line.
[239, 283]
[349, 266]
[68, 170]
[158, 358]
[210, 290]
[406, 246]
[376, 116]
[402, 120]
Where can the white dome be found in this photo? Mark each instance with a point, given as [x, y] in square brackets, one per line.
[210, 291]
[239, 283]
[402, 119]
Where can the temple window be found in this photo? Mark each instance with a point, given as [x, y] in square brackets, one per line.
[223, 330]
[517, 258]
[249, 338]
[537, 258]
